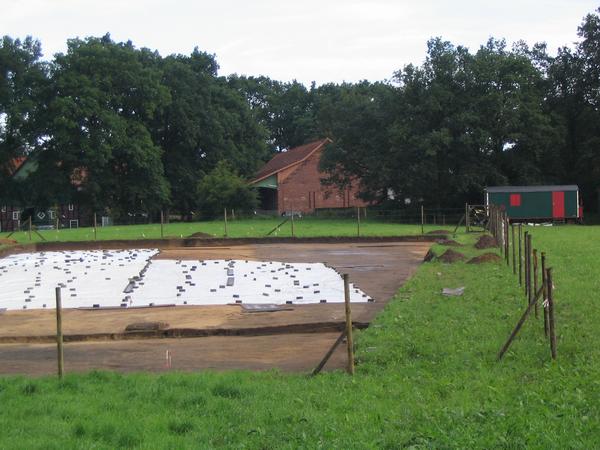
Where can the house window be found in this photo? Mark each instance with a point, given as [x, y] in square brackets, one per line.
[71, 207]
[16, 215]
[515, 199]
[51, 214]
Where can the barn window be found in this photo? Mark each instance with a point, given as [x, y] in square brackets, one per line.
[515, 199]
[71, 207]
[16, 215]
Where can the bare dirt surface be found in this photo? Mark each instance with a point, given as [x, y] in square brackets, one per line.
[291, 352]
[485, 258]
[378, 268]
[439, 232]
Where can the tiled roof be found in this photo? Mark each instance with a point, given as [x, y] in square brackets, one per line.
[289, 158]
[15, 164]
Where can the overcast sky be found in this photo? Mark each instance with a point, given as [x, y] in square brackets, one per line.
[324, 40]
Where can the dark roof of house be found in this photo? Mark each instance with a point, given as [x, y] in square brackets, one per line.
[289, 158]
[570, 187]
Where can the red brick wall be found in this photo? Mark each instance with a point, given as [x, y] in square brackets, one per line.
[6, 218]
[300, 189]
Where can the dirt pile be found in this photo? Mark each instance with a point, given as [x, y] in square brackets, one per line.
[438, 232]
[485, 258]
[486, 241]
[451, 256]
[7, 242]
[202, 235]
[448, 242]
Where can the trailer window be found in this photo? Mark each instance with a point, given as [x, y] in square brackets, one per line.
[515, 199]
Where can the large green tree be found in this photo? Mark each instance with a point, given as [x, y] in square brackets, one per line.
[222, 188]
[104, 98]
[206, 122]
[23, 86]
[285, 109]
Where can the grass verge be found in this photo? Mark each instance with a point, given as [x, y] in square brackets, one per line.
[305, 227]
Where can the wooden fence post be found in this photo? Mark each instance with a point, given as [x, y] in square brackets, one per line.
[29, 228]
[422, 220]
[59, 335]
[162, 224]
[526, 268]
[515, 331]
[358, 221]
[529, 267]
[514, 249]
[467, 218]
[225, 217]
[535, 280]
[293, 231]
[349, 325]
[507, 238]
[520, 255]
[95, 228]
[544, 294]
[551, 324]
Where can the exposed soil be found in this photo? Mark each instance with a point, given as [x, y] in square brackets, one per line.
[485, 258]
[486, 241]
[290, 352]
[7, 241]
[448, 242]
[438, 232]
[202, 235]
[451, 256]
[258, 340]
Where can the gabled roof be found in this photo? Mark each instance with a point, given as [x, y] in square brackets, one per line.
[15, 164]
[289, 158]
[570, 187]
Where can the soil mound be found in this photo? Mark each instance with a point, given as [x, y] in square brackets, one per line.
[438, 232]
[486, 241]
[485, 258]
[200, 234]
[7, 242]
[448, 242]
[430, 256]
[451, 256]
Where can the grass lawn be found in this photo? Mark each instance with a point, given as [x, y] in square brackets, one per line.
[304, 227]
[426, 377]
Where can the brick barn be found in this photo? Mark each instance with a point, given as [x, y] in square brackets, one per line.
[291, 181]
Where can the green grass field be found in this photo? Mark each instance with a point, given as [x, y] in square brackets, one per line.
[304, 227]
[427, 377]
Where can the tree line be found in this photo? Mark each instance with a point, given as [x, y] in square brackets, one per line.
[113, 126]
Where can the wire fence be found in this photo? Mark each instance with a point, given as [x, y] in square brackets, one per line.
[534, 275]
[161, 225]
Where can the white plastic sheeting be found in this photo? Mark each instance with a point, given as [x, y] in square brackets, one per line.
[88, 278]
[126, 278]
[218, 282]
